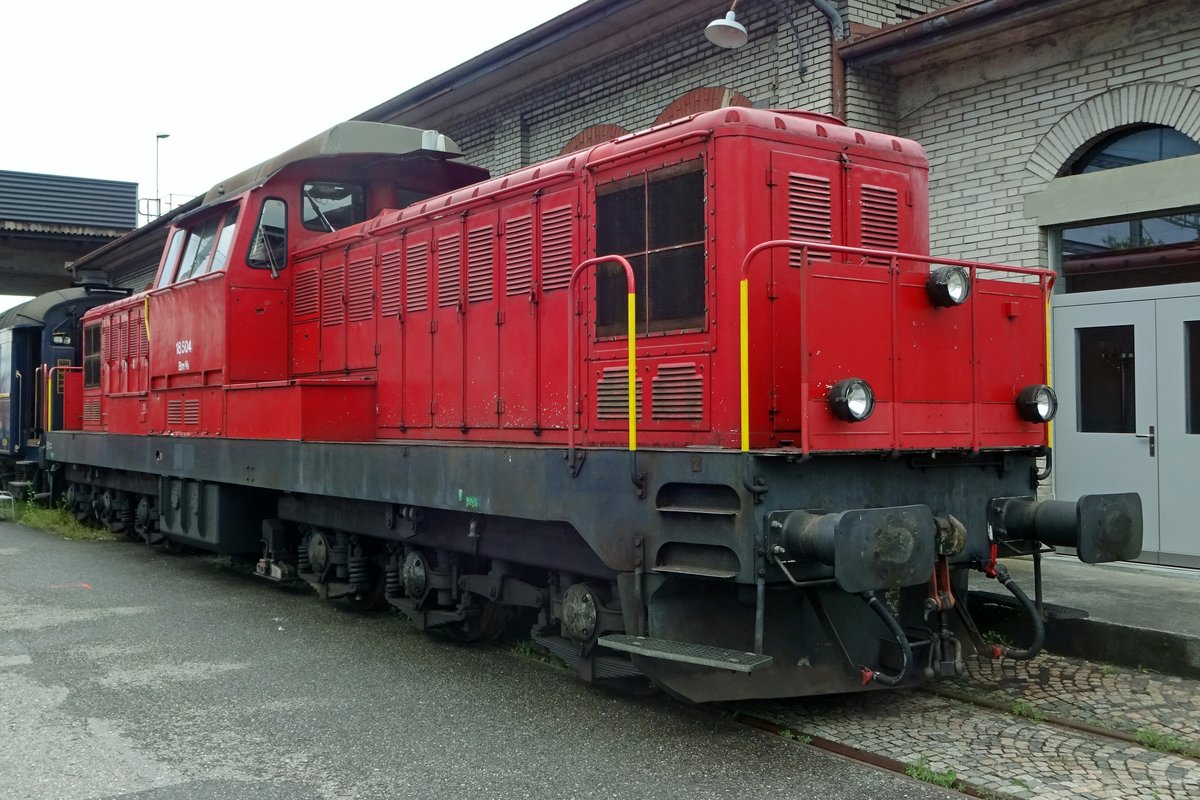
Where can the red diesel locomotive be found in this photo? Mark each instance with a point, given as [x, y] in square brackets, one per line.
[697, 398]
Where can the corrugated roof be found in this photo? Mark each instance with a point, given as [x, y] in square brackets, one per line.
[58, 199]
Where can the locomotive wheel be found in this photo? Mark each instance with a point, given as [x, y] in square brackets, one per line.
[484, 628]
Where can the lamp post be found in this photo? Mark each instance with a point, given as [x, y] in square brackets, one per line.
[157, 197]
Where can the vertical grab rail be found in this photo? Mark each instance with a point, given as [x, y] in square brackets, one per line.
[1045, 282]
[631, 330]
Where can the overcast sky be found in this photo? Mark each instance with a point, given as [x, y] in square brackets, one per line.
[88, 85]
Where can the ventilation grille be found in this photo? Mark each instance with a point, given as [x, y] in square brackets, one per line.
[518, 255]
[416, 273]
[389, 284]
[123, 337]
[449, 269]
[880, 220]
[479, 264]
[308, 294]
[360, 293]
[810, 214]
[677, 392]
[91, 410]
[333, 309]
[556, 249]
[612, 394]
[141, 347]
[183, 412]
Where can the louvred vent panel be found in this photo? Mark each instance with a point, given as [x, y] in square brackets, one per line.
[416, 273]
[307, 294]
[880, 220]
[677, 392]
[479, 264]
[810, 214]
[389, 284]
[360, 292]
[449, 270]
[612, 394]
[556, 249]
[333, 310]
[518, 255]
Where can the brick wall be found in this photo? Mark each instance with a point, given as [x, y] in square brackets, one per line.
[878, 13]
[999, 128]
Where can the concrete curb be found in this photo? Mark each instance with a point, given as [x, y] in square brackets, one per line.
[1094, 640]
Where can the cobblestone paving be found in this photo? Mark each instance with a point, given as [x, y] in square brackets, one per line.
[1013, 755]
[1109, 697]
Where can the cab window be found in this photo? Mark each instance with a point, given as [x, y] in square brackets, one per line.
[331, 205]
[198, 248]
[224, 241]
[656, 221]
[172, 259]
[268, 247]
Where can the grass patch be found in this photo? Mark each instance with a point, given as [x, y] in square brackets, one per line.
[1166, 743]
[1023, 708]
[996, 638]
[923, 772]
[59, 521]
[527, 648]
[793, 736]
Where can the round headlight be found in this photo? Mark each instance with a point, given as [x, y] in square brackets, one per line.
[1037, 403]
[851, 400]
[948, 286]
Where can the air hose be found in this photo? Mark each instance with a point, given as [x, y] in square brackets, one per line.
[869, 675]
[1039, 630]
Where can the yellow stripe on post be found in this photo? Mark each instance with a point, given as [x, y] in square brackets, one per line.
[744, 336]
[146, 315]
[632, 326]
[1049, 370]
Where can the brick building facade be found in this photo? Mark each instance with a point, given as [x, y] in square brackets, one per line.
[1006, 96]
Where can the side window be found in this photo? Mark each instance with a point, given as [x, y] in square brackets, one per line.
[655, 220]
[198, 249]
[224, 241]
[268, 248]
[91, 356]
[172, 259]
[330, 205]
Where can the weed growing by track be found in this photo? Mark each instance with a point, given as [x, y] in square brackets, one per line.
[1023, 708]
[1166, 743]
[923, 772]
[59, 521]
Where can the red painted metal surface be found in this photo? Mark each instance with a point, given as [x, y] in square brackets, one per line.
[447, 319]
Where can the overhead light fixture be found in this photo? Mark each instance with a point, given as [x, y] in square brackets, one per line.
[727, 32]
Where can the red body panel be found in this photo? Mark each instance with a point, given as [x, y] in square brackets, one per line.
[448, 319]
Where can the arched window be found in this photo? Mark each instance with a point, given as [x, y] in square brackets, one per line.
[1130, 146]
[1140, 250]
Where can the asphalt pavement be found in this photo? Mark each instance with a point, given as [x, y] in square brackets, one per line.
[129, 672]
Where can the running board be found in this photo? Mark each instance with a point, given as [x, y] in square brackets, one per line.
[699, 654]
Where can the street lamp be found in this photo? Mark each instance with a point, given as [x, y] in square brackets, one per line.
[157, 197]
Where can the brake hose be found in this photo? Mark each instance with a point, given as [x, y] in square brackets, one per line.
[889, 619]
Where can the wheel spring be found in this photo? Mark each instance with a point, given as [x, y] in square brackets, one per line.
[394, 587]
[302, 562]
[359, 572]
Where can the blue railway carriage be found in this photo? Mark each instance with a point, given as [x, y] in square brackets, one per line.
[35, 337]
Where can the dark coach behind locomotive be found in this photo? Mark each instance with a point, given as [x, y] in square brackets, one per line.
[697, 395]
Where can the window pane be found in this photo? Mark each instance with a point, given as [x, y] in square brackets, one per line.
[268, 248]
[199, 247]
[172, 259]
[1106, 380]
[676, 210]
[330, 205]
[611, 294]
[228, 229]
[675, 285]
[1147, 251]
[621, 222]
[1191, 384]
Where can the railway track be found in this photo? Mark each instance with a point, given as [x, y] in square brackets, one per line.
[1051, 728]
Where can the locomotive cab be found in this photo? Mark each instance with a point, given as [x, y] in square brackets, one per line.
[206, 346]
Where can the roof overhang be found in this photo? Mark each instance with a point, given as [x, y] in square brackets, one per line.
[972, 28]
[574, 39]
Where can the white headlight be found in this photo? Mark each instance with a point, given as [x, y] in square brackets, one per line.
[851, 400]
[948, 286]
[1037, 403]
